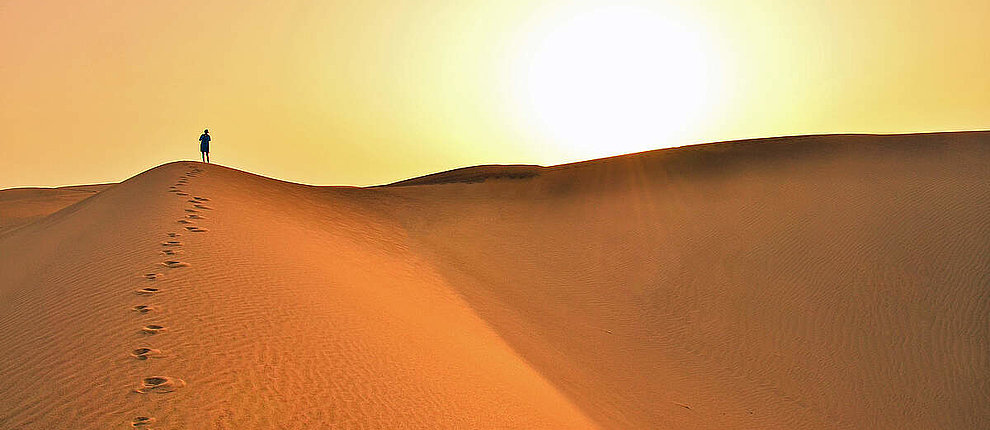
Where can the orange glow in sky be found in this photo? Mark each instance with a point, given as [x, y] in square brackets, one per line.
[335, 92]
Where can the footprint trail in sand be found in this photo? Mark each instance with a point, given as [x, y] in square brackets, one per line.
[164, 384]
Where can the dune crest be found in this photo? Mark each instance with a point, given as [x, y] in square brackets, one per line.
[802, 282]
[24, 205]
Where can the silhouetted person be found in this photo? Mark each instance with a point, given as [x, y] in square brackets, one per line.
[204, 145]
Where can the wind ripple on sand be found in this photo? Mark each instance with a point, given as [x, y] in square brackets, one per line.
[836, 285]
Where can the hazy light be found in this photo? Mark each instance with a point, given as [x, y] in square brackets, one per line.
[615, 79]
[360, 93]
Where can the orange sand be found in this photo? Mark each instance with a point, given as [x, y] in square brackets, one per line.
[19, 206]
[804, 282]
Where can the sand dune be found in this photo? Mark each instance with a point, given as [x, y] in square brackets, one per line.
[803, 282]
[23, 205]
[474, 174]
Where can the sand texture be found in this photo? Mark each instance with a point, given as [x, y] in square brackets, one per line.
[818, 282]
[20, 206]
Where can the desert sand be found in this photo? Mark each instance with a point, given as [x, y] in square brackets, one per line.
[815, 282]
[23, 205]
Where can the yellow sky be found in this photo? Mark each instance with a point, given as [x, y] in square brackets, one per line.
[367, 92]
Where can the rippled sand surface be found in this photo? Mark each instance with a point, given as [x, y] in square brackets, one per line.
[804, 282]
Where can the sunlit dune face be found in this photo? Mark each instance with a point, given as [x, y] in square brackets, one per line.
[615, 79]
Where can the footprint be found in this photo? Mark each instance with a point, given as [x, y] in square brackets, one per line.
[172, 264]
[191, 210]
[160, 384]
[183, 221]
[169, 252]
[148, 291]
[152, 329]
[202, 199]
[143, 308]
[202, 207]
[198, 230]
[172, 242]
[194, 216]
[152, 276]
[182, 194]
[139, 422]
[174, 235]
[146, 353]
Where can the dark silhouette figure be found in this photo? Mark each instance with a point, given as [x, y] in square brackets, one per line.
[204, 145]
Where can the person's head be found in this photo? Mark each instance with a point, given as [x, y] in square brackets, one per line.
[206, 131]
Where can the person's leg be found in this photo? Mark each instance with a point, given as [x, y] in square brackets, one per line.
[207, 158]
[202, 155]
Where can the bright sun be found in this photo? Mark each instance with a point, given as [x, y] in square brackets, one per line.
[615, 79]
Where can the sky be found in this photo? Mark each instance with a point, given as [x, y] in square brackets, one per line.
[369, 92]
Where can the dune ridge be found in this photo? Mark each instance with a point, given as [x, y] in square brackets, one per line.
[800, 282]
[474, 174]
[24, 205]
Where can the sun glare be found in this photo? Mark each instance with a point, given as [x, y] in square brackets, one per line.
[614, 79]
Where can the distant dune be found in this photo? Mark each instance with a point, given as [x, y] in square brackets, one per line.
[19, 206]
[813, 282]
[474, 174]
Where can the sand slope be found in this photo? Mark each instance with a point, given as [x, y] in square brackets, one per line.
[807, 282]
[19, 206]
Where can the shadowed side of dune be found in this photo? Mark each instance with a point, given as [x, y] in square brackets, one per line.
[807, 282]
